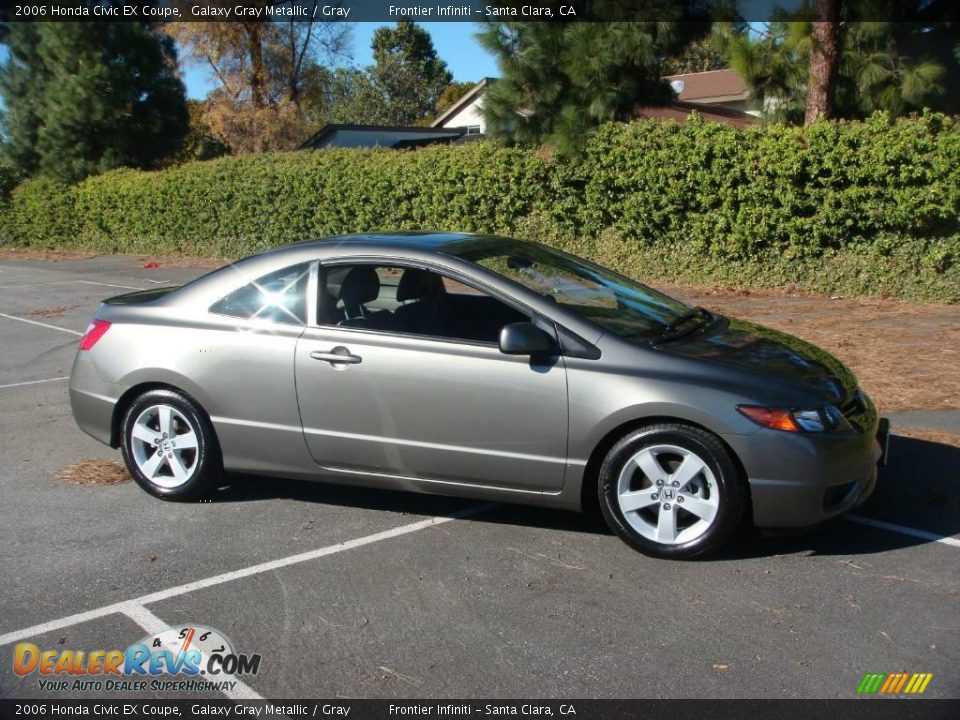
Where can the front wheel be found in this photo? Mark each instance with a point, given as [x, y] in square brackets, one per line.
[671, 491]
[169, 446]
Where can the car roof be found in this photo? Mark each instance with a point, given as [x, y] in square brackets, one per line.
[451, 243]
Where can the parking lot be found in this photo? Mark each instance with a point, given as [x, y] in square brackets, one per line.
[359, 593]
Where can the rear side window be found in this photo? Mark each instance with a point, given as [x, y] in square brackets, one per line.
[279, 297]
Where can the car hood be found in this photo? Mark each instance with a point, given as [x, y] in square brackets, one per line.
[761, 351]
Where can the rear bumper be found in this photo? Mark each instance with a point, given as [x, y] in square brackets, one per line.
[801, 480]
[92, 400]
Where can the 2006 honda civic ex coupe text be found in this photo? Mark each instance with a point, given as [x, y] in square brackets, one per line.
[482, 367]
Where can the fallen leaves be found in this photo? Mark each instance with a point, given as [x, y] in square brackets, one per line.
[50, 312]
[93, 471]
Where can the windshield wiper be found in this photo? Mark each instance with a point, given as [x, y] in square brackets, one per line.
[691, 320]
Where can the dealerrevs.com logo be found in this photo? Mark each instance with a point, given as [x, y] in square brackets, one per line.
[188, 658]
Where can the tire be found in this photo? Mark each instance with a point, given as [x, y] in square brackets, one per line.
[189, 465]
[671, 491]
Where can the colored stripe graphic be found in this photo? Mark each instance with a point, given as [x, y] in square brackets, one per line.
[870, 683]
[922, 680]
[890, 682]
[894, 683]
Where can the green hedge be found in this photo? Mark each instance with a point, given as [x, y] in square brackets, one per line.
[845, 207]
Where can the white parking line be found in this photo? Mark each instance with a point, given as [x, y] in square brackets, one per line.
[152, 624]
[40, 324]
[125, 287]
[903, 530]
[124, 607]
[33, 382]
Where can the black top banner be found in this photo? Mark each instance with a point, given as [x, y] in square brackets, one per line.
[923, 11]
[432, 709]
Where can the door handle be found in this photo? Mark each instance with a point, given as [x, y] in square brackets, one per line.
[338, 355]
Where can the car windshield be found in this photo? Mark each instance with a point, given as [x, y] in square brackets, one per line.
[614, 302]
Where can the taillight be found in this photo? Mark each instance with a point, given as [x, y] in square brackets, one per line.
[95, 330]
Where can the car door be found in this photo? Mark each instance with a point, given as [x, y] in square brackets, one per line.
[405, 399]
[242, 359]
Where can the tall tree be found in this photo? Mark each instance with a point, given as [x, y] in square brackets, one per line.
[22, 81]
[268, 73]
[824, 58]
[407, 73]
[350, 97]
[700, 56]
[560, 80]
[888, 66]
[879, 66]
[83, 98]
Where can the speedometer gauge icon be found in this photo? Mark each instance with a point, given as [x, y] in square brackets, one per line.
[179, 640]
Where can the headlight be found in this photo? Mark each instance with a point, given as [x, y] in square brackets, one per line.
[813, 420]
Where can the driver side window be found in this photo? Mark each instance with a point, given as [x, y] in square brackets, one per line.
[411, 301]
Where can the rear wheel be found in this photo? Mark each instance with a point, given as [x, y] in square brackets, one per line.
[169, 446]
[671, 491]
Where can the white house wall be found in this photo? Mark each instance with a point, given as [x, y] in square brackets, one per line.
[467, 116]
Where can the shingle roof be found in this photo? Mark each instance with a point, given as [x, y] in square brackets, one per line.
[711, 86]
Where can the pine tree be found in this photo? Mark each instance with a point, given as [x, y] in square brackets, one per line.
[824, 58]
[21, 85]
[558, 81]
[879, 66]
[84, 98]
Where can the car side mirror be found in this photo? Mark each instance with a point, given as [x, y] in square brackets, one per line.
[523, 338]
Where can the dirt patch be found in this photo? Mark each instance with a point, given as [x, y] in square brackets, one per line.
[202, 263]
[905, 354]
[50, 312]
[942, 437]
[30, 254]
[91, 471]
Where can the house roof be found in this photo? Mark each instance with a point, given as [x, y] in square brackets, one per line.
[465, 100]
[391, 136]
[712, 86]
[680, 111]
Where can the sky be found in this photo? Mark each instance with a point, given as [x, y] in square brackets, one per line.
[454, 42]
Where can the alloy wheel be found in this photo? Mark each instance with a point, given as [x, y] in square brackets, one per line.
[668, 494]
[164, 446]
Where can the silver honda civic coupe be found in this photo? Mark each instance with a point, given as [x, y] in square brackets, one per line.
[483, 367]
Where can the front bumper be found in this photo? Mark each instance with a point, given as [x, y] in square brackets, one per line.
[798, 480]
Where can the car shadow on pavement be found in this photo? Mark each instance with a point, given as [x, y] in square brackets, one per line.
[919, 488]
[246, 488]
